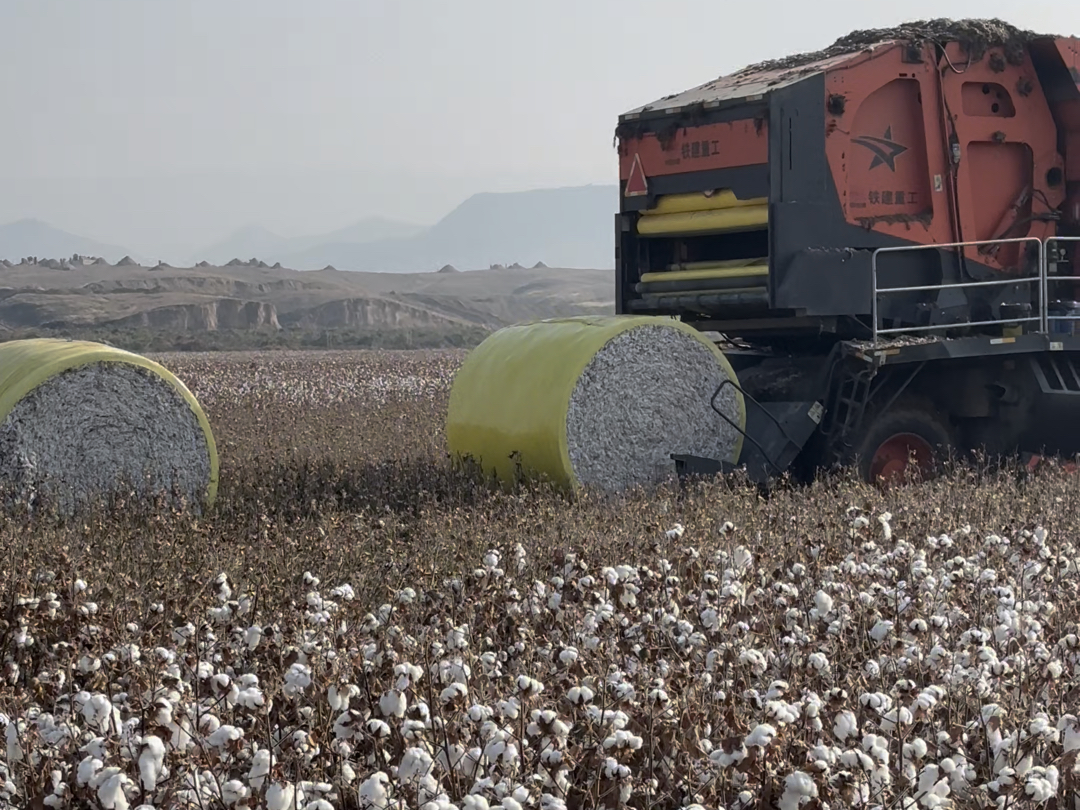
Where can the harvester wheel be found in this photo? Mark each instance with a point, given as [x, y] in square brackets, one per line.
[912, 438]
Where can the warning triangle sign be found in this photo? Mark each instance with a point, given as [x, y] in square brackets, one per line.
[636, 184]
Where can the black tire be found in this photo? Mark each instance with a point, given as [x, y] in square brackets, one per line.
[912, 422]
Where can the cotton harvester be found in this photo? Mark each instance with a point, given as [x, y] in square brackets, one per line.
[876, 241]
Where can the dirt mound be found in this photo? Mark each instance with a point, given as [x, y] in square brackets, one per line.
[975, 35]
[100, 261]
[448, 268]
[368, 312]
[224, 313]
[127, 261]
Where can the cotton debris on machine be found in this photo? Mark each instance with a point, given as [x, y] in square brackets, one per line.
[593, 402]
[81, 421]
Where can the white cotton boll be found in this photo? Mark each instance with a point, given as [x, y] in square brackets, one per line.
[881, 630]
[224, 735]
[14, 748]
[111, 790]
[799, 789]
[297, 679]
[280, 795]
[761, 736]
[454, 692]
[392, 703]
[233, 791]
[818, 662]
[261, 763]
[475, 802]
[372, 792]
[675, 532]
[1069, 726]
[88, 769]
[1039, 787]
[252, 637]
[900, 716]
[151, 762]
[886, 529]
[845, 725]
[916, 749]
[742, 559]
[415, 764]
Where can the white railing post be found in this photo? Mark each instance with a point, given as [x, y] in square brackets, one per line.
[1040, 278]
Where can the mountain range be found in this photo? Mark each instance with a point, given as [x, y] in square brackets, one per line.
[32, 237]
[561, 227]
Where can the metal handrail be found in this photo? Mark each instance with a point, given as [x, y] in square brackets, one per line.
[1047, 279]
[1039, 277]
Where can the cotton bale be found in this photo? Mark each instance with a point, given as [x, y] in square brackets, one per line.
[80, 421]
[600, 402]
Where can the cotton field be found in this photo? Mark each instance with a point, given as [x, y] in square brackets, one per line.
[399, 638]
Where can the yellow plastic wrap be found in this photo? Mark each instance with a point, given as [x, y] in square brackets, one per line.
[510, 398]
[26, 364]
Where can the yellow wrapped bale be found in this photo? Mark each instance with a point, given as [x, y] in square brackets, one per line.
[80, 420]
[593, 401]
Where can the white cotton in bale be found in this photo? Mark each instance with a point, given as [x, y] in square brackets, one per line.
[644, 396]
[595, 401]
[83, 421]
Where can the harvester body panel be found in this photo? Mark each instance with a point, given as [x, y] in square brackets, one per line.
[807, 167]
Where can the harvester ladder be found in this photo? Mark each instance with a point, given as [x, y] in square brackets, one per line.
[848, 402]
[1056, 375]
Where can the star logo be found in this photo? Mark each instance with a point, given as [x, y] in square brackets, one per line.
[885, 150]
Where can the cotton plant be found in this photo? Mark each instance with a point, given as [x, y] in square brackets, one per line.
[693, 677]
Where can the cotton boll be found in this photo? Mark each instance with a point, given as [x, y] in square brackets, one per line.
[880, 631]
[761, 736]
[233, 791]
[373, 791]
[392, 703]
[799, 789]
[845, 725]
[261, 763]
[280, 795]
[151, 762]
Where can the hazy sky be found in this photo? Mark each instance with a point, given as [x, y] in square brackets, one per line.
[158, 124]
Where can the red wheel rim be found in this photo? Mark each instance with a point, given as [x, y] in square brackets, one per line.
[893, 457]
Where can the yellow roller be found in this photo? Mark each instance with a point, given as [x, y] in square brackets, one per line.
[718, 265]
[726, 220]
[510, 398]
[26, 364]
[685, 203]
[742, 271]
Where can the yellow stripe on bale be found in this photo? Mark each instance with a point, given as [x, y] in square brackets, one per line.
[726, 220]
[27, 364]
[511, 398]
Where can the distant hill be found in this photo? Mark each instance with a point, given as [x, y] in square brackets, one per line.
[562, 227]
[255, 241]
[32, 237]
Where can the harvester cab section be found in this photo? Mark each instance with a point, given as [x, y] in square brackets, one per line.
[753, 205]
